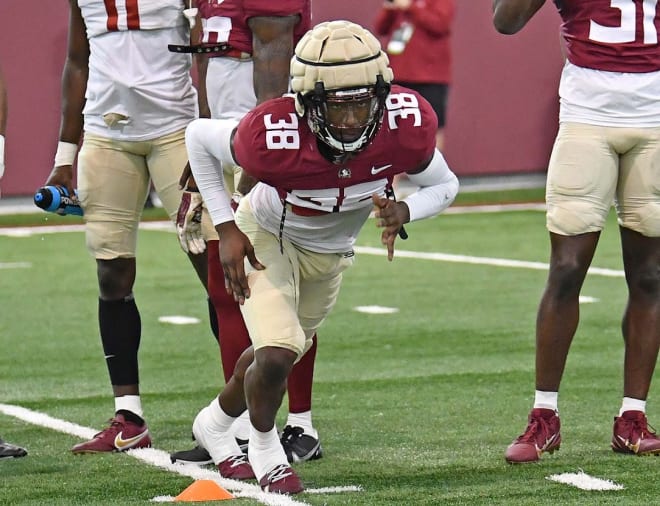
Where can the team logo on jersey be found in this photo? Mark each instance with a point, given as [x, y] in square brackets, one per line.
[344, 173]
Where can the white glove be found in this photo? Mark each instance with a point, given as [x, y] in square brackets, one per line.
[189, 223]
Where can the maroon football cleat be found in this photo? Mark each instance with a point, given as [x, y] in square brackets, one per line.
[120, 436]
[632, 434]
[236, 467]
[281, 480]
[541, 435]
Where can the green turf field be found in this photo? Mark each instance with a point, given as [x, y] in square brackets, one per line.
[414, 407]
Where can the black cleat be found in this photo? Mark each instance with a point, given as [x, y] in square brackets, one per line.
[200, 456]
[196, 455]
[10, 451]
[299, 446]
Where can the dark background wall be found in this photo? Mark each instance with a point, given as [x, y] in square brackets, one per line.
[502, 114]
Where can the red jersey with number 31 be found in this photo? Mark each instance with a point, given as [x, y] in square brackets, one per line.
[612, 35]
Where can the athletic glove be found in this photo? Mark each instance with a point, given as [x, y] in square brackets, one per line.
[189, 223]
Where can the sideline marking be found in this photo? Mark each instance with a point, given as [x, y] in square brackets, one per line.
[161, 459]
[583, 481]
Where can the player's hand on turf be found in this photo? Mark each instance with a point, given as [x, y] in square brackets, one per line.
[189, 223]
[234, 248]
[390, 216]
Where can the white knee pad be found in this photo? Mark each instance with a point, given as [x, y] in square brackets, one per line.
[645, 220]
[574, 218]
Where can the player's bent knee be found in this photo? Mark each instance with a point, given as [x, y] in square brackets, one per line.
[579, 218]
[646, 220]
[106, 243]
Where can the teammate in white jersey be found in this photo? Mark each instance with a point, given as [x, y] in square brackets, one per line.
[607, 150]
[133, 100]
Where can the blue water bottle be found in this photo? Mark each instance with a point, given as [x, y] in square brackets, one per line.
[55, 199]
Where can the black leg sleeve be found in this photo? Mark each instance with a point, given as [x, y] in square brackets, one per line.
[120, 325]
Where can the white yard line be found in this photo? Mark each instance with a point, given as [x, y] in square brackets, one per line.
[465, 259]
[160, 458]
[583, 481]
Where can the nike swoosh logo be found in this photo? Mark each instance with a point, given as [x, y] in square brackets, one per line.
[376, 170]
[122, 444]
[548, 442]
[632, 447]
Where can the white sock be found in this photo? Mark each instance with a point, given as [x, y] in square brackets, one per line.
[265, 451]
[303, 420]
[130, 403]
[631, 404]
[220, 420]
[547, 400]
[241, 426]
[211, 428]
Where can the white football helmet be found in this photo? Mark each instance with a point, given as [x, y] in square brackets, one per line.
[341, 79]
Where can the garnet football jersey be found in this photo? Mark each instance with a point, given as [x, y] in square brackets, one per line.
[227, 21]
[274, 145]
[616, 36]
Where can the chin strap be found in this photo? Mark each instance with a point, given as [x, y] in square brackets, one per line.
[281, 235]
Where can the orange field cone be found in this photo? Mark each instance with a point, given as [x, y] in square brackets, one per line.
[203, 490]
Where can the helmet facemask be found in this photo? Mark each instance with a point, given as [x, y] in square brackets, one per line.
[346, 119]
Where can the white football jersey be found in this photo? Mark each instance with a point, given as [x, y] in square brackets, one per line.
[137, 90]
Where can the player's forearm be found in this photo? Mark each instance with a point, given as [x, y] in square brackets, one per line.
[438, 189]
[202, 62]
[74, 84]
[510, 16]
[209, 146]
[272, 41]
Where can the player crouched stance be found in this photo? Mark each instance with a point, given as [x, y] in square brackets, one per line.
[324, 158]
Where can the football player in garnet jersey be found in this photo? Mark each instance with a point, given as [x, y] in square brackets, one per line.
[250, 44]
[324, 159]
[607, 148]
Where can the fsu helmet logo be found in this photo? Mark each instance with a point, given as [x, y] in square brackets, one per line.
[344, 173]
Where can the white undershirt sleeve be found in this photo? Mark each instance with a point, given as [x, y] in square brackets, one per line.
[208, 142]
[438, 189]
